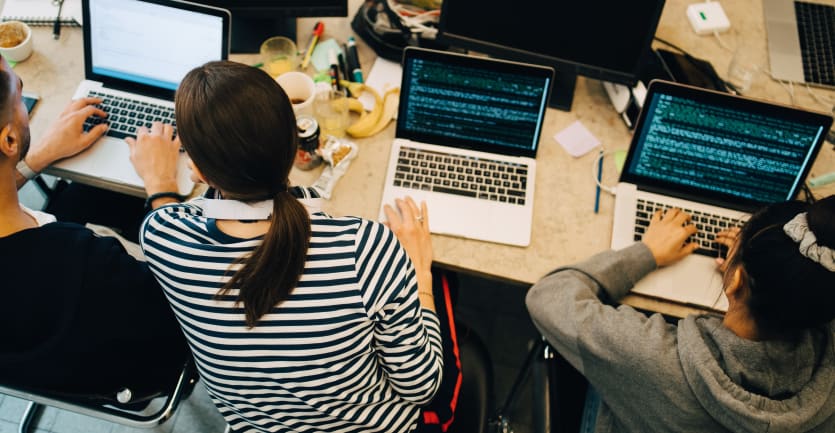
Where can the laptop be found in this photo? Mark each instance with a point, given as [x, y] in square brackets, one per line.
[801, 41]
[467, 135]
[135, 54]
[719, 157]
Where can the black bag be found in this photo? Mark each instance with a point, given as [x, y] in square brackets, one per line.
[439, 414]
[382, 30]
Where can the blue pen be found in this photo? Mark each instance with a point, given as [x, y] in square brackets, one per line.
[599, 178]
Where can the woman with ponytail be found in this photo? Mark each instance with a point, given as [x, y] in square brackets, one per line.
[298, 321]
[766, 365]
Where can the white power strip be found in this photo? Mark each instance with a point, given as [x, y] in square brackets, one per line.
[707, 18]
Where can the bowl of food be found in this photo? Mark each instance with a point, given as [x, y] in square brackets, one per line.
[15, 41]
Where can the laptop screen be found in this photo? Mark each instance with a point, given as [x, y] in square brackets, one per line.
[722, 149]
[151, 43]
[472, 102]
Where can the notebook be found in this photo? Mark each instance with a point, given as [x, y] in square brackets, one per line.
[718, 156]
[801, 41]
[135, 54]
[42, 13]
[467, 135]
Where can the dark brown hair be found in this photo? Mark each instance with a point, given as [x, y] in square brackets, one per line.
[788, 291]
[238, 127]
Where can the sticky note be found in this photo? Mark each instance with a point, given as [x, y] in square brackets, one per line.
[620, 158]
[319, 57]
[576, 139]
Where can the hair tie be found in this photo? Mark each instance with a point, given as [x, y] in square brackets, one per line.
[798, 230]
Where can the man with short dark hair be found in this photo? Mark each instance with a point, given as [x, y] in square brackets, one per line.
[79, 314]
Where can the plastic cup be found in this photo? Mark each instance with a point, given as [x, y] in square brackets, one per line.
[279, 55]
[331, 110]
[743, 70]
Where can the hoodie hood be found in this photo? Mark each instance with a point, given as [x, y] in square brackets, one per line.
[759, 386]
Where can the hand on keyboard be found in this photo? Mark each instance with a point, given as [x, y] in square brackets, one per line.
[66, 136]
[410, 223]
[727, 238]
[667, 236]
[154, 154]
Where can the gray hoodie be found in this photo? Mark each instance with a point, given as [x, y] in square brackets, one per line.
[696, 376]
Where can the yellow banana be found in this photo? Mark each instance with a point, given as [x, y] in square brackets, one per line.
[391, 100]
[365, 123]
[356, 106]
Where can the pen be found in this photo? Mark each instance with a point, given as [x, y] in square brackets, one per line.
[599, 178]
[343, 69]
[353, 59]
[334, 69]
[56, 28]
[318, 29]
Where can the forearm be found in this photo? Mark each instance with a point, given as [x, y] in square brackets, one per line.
[425, 295]
[564, 305]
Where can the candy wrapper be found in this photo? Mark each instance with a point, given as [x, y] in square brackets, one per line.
[337, 153]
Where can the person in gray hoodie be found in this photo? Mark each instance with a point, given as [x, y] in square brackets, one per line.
[767, 365]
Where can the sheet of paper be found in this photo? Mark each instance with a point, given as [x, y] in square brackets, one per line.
[25, 10]
[576, 139]
[384, 75]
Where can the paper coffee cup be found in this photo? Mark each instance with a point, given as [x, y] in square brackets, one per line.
[15, 41]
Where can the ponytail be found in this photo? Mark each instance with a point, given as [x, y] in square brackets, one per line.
[243, 138]
[273, 269]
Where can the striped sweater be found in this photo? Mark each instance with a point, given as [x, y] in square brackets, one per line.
[351, 350]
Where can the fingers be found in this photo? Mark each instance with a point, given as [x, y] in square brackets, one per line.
[392, 216]
[165, 130]
[95, 132]
[80, 103]
[727, 237]
[89, 111]
[407, 214]
[408, 210]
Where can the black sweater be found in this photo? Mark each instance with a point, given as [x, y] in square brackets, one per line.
[80, 315]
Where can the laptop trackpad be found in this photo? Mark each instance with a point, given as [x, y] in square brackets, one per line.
[693, 280]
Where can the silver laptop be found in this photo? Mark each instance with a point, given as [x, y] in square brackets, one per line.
[801, 40]
[717, 156]
[135, 54]
[467, 135]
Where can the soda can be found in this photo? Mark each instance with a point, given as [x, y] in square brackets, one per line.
[306, 156]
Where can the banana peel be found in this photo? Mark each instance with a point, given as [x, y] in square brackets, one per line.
[374, 121]
[391, 100]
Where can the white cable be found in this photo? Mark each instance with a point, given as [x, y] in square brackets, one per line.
[823, 100]
[609, 189]
[722, 42]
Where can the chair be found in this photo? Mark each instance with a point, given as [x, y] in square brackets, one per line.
[122, 408]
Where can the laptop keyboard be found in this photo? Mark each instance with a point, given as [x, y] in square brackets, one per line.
[461, 175]
[126, 115]
[816, 29]
[707, 225]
